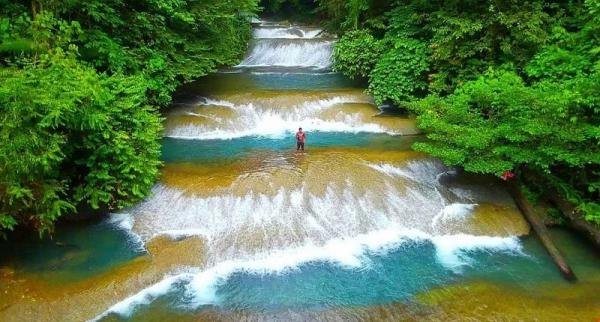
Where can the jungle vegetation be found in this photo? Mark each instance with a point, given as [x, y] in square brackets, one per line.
[496, 85]
[81, 85]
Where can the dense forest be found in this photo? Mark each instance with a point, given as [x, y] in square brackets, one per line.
[497, 86]
[81, 85]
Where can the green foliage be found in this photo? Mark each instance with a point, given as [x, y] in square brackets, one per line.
[400, 74]
[556, 216]
[558, 63]
[335, 11]
[168, 41]
[81, 83]
[285, 6]
[484, 33]
[355, 9]
[349, 15]
[88, 138]
[294, 10]
[497, 123]
[496, 85]
[463, 39]
[591, 211]
[356, 54]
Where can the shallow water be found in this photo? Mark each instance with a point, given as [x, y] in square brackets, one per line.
[242, 227]
[75, 253]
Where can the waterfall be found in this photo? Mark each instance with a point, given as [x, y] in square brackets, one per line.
[267, 211]
[316, 53]
[288, 32]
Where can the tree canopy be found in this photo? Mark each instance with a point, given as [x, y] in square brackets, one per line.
[81, 84]
[496, 85]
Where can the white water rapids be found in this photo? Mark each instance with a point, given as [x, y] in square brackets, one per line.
[289, 47]
[274, 214]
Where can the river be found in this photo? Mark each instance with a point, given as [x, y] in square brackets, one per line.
[242, 226]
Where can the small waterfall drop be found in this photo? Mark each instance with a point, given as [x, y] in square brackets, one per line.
[315, 53]
[288, 33]
[270, 211]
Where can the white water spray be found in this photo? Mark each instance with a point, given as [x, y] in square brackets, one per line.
[314, 53]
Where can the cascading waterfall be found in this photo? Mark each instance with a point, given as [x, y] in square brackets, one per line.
[287, 32]
[242, 227]
[289, 47]
[219, 119]
[315, 53]
[271, 213]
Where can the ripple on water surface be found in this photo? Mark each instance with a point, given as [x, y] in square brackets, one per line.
[406, 281]
[358, 227]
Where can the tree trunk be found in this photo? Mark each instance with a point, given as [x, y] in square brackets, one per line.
[33, 9]
[574, 217]
[540, 229]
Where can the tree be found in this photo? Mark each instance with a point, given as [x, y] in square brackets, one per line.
[498, 123]
[356, 54]
[81, 83]
[89, 138]
[400, 74]
[496, 85]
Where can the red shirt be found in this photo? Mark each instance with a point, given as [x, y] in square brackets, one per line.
[300, 137]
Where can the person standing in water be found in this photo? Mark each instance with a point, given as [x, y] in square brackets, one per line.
[300, 139]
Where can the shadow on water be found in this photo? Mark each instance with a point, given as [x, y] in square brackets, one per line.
[75, 252]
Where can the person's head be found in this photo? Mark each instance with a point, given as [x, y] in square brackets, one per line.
[299, 129]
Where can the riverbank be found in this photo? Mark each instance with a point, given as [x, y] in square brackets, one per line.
[359, 226]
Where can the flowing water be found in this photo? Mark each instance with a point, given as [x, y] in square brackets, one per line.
[243, 227]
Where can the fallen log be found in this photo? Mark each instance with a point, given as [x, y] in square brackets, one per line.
[574, 217]
[540, 229]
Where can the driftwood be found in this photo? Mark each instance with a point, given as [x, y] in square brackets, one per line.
[540, 229]
[574, 217]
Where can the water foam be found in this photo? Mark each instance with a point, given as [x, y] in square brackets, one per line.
[274, 126]
[453, 212]
[146, 296]
[125, 222]
[210, 101]
[287, 32]
[342, 226]
[452, 251]
[280, 220]
[426, 172]
[257, 120]
[388, 169]
[333, 230]
[290, 53]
